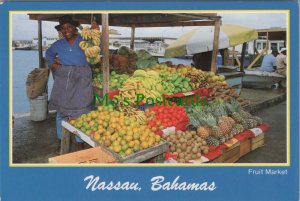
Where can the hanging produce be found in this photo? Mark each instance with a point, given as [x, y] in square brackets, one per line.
[91, 44]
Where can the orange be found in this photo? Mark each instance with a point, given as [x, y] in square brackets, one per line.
[129, 138]
[131, 144]
[144, 145]
[128, 152]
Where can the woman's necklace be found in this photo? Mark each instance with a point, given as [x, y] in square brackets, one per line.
[71, 42]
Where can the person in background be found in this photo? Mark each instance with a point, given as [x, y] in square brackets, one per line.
[72, 93]
[202, 60]
[269, 62]
[281, 62]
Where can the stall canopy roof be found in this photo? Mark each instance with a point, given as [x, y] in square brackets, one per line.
[201, 39]
[138, 19]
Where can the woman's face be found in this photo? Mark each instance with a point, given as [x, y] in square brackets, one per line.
[68, 30]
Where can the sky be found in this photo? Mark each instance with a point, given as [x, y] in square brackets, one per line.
[25, 29]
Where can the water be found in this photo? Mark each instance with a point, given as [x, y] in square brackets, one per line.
[23, 62]
[176, 61]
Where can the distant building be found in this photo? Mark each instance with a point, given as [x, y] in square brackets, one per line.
[276, 36]
[46, 42]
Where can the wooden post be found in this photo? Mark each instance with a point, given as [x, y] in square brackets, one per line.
[215, 45]
[232, 58]
[255, 52]
[40, 46]
[132, 37]
[243, 57]
[65, 141]
[105, 52]
[256, 59]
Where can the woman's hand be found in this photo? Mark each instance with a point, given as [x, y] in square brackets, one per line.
[56, 65]
[94, 25]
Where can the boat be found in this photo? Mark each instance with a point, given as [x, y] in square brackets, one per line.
[24, 47]
[255, 78]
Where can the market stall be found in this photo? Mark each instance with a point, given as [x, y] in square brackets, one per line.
[163, 111]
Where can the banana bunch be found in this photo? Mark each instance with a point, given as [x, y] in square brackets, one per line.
[138, 115]
[91, 34]
[132, 88]
[150, 80]
[90, 44]
[143, 83]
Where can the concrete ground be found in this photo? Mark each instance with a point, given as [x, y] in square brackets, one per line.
[35, 142]
[274, 150]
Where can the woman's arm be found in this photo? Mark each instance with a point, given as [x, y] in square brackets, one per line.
[52, 58]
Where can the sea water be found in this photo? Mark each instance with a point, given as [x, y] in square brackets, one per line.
[23, 62]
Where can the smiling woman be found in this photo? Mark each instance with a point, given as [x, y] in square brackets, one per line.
[72, 93]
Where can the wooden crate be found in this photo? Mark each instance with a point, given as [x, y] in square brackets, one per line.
[231, 154]
[92, 155]
[218, 160]
[257, 141]
[245, 147]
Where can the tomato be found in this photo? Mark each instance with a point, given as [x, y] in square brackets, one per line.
[154, 129]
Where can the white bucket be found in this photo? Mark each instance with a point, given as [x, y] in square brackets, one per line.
[39, 108]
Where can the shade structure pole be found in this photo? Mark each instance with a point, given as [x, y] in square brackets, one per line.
[215, 45]
[132, 37]
[40, 46]
[105, 52]
[243, 57]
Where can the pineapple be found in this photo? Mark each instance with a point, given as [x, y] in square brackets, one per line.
[234, 108]
[212, 123]
[230, 121]
[236, 129]
[252, 123]
[222, 139]
[245, 124]
[245, 115]
[203, 132]
[210, 140]
[258, 119]
[197, 122]
[223, 122]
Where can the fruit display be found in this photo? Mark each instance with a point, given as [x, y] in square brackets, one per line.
[113, 129]
[136, 114]
[224, 91]
[174, 82]
[161, 117]
[197, 78]
[142, 83]
[115, 80]
[219, 121]
[187, 145]
[91, 44]
[211, 77]
[242, 117]
[145, 59]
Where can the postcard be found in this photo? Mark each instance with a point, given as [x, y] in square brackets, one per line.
[149, 100]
